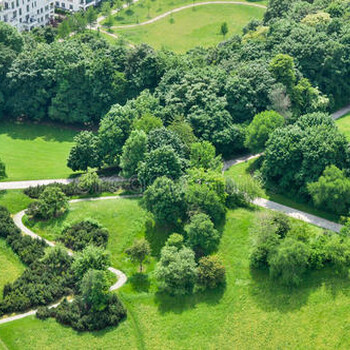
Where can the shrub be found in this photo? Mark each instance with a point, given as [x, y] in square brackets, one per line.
[90, 182]
[210, 273]
[43, 282]
[176, 270]
[289, 261]
[331, 191]
[2, 170]
[241, 192]
[71, 189]
[87, 232]
[43, 313]
[202, 236]
[51, 203]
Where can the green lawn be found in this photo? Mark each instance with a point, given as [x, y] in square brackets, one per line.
[344, 125]
[35, 151]
[250, 313]
[192, 27]
[142, 10]
[11, 266]
[14, 200]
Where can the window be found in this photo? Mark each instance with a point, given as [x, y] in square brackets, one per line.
[71, 7]
[20, 12]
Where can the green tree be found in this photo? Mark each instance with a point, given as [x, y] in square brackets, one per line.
[331, 191]
[211, 273]
[94, 290]
[289, 261]
[176, 270]
[282, 68]
[147, 123]
[85, 152]
[184, 131]
[224, 29]
[259, 130]
[203, 238]
[162, 161]
[91, 257]
[51, 203]
[164, 137]
[133, 152]
[298, 154]
[91, 16]
[114, 130]
[175, 240]
[106, 8]
[63, 30]
[109, 22]
[139, 251]
[165, 200]
[203, 155]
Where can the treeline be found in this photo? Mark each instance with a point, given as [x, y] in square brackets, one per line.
[294, 62]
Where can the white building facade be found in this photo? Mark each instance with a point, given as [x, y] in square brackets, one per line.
[75, 5]
[26, 14]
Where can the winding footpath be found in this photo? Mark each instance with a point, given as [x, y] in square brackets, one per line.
[168, 13]
[261, 202]
[18, 220]
[98, 25]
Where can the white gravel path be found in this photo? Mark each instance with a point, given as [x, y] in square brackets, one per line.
[17, 218]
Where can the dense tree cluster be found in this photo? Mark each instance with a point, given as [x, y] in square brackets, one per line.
[288, 250]
[292, 62]
[298, 154]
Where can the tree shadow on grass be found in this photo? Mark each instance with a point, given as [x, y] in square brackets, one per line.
[140, 282]
[271, 295]
[178, 304]
[157, 235]
[48, 131]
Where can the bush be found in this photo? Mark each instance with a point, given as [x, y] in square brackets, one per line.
[289, 261]
[81, 318]
[90, 182]
[331, 191]
[176, 270]
[87, 232]
[175, 240]
[43, 313]
[71, 189]
[241, 192]
[43, 282]
[210, 273]
[51, 203]
[2, 170]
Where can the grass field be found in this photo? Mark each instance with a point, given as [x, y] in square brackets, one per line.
[250, 313]
[142, 10]
[242, 169]
[14, 200]
[189, 28]
[11, 266]
[35, 151]
[344, 125]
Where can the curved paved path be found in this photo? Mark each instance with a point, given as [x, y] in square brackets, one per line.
[168, 13]
[19, 223]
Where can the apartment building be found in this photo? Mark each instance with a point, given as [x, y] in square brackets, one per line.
[75, 5]
[26, 14]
